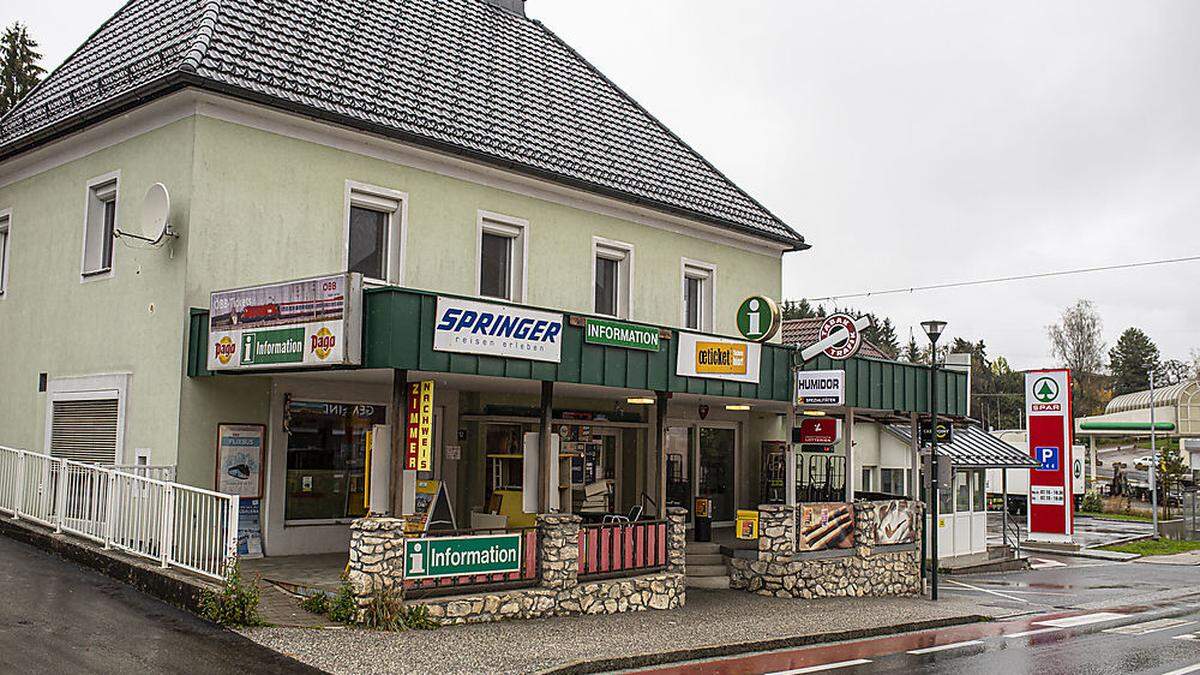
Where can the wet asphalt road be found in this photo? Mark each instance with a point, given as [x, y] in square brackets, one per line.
[1089, 532]
[57, 617]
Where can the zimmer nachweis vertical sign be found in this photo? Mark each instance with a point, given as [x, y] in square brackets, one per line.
[418, 427]
[293, 324]
[1048, 409]
[471, 327]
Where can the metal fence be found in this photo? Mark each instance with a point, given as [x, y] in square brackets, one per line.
[528, 575]
[622, 549]
[175, 525]
[1191, 513]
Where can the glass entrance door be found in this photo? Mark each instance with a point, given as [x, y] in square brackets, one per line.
[716, 470]
[681, 461]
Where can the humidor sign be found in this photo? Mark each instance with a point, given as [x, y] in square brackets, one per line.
[826, 526]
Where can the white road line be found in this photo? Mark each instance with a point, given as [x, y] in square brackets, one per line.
[1082, 620]
[823, 666]
[990, 592]
[1183, 671]
[1027, 633]
[1147, 627]
[1043, 564]
[1195, 637]
[940, 648]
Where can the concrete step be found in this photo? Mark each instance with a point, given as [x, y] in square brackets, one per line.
[703, 548]
[705, 559]
[707, 571]
[706, 582]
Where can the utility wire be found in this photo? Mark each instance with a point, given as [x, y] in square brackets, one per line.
[998, 280]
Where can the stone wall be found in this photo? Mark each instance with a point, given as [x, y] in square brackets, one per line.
[868, 569]
[376, 557]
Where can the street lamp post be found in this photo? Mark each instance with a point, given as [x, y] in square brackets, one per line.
[933, 329]
[1153, 461]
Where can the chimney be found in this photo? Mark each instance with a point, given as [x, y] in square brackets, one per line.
[515, 6]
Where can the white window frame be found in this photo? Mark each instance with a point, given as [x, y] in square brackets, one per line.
[395, 204]
[513, 228]
[5, 250]
[89, 387]
[698, 269]
[622, 253]
[90, 194]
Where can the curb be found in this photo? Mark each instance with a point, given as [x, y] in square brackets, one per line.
[170, 587]
[1093, 554]
[737, 648]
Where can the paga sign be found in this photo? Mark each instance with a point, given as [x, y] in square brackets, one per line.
[307, 323]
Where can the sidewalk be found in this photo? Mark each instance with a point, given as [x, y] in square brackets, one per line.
[712, 623]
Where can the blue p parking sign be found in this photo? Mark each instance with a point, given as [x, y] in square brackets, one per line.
[1047, 457]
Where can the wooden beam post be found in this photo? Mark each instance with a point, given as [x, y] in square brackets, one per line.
[544, 467]
[398, 419]
[660, 432]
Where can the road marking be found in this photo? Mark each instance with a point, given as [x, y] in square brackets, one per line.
[1146, 627]
[1081, 620]
[990, 592]
[1183, 671]
[823, 666]
[1027, 633]
[1195, 637]
[1043, 564]
[940, 648]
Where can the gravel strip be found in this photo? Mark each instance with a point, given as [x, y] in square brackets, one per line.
[710, 618]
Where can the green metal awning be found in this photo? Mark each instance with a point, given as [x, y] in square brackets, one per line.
[1125, 426]
[398, 333]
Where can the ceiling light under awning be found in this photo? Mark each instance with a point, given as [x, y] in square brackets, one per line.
[639, 400]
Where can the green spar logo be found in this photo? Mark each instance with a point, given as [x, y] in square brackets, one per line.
[1045, 389]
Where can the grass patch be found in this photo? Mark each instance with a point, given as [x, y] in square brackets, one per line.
[1130, 517]
[1155, 547]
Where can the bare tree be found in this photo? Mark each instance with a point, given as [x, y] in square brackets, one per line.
[1075, 340]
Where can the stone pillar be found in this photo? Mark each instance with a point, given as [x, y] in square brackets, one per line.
[776, 530]
[676, 539]
[558, 554]
[376, 556]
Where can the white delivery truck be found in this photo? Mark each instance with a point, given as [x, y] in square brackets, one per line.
[1018, 479]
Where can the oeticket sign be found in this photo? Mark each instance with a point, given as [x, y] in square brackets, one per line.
[1048, 409]
[418, 436]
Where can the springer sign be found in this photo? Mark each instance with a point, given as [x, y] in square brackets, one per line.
[471, 327]
[718, 359]
[294, 324]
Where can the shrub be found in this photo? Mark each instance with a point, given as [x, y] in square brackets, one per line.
[1092, 502]
[317, 603]
[236, 604]
[343, 608]
[386, 610]
[417, 618]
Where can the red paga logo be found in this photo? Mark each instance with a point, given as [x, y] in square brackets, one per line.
[224, 349]
[323, 342]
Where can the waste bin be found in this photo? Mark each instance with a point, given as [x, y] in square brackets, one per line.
[703, 518]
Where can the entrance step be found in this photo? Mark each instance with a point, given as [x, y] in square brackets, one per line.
[703, 548]
[707, 582]
[707, 571]
[704, 559]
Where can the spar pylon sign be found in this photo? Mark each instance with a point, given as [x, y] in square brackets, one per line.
[1048, 410]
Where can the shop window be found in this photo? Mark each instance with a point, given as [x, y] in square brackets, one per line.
[891, 481]
[962, 492]
[326, 457]
[5, 219]
[100, 221]
[867, 473]
[698, 282]
[374, 233]
[612, 278]
[978, 491]
[502, 248]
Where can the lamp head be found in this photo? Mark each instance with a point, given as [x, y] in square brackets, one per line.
[933, 329]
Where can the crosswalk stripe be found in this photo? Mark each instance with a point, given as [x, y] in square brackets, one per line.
[1195, 637]
[1027, 633]
[823, 666]
[939, 648]
[1185, 670]
[1082, 620]
[1043, 564]
[1147, 627]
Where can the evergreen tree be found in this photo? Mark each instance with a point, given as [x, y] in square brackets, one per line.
[1132, 360]
[19, 69]
[912, 351]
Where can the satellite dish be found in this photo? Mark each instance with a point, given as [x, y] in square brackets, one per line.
[155, 209]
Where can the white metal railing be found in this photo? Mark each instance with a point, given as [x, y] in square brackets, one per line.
[164, 472]
[176, 525]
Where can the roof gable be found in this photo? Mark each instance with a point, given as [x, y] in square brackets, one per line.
[462, 76]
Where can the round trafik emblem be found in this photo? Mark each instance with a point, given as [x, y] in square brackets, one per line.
[844, 349]
[758, 318]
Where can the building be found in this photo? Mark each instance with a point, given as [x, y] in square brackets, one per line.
[455, 157]
[1176, 415]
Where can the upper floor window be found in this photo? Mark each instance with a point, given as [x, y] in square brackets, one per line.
[5, 219]
[100, 220]
[374, 232]
[613, 263]
[699, 280]
[502, 253]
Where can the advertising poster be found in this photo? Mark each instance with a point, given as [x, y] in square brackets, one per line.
[897, 523]
[249, 540]
[240, 459]
[826, 525]
[717, 359]
[294, 324]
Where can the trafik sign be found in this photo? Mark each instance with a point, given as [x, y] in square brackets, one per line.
[1048, 409]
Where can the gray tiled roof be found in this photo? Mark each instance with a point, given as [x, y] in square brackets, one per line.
[973, 448]
[462, 76]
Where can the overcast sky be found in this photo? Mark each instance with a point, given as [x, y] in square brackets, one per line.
[920, 142]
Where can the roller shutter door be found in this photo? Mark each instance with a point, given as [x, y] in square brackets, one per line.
[85, 430]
